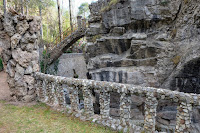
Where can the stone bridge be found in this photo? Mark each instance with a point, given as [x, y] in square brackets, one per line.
[69, 38]
[51, 92]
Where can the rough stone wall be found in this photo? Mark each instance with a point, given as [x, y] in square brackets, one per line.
[19, 36]
[142, 42]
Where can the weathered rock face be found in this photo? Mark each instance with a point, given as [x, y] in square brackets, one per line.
[19, 40]
[142, 41]
[148, 43]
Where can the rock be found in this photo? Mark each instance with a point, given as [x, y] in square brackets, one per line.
[29, 70]
[22, 27]
[10, 70]
[28, 38]
[4, 40]
[6, 55]
[9, 26]
[137, 36]
[35, 25]
[15, 40]
[22, 57]
[19, 70]
[29, 98]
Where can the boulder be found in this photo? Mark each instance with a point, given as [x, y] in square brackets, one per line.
[15, 40]
[22, 27]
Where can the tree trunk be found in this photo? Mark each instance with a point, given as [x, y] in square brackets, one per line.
[59, 20]
[22, 6]
[41, 28]
[5, 6]
[70, 13]
[26, 7]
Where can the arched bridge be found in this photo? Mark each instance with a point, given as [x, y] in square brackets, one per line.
[69, 37]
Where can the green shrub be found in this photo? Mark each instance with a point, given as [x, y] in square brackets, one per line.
[1, 65]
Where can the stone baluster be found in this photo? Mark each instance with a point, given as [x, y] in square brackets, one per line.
[40, 93]
[88, 102]
[54, 94]
[183, 118]
[104, 101]
[44, 87]
[79, 22]
[150, 112]
[60, 95]
[73, 93]
[48, 90]
[125, 110]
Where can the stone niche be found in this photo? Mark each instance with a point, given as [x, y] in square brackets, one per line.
[188, 79]
[19, 38]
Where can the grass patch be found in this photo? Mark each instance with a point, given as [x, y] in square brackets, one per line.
[41, 119]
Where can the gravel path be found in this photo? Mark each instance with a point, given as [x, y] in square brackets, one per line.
[4, 89]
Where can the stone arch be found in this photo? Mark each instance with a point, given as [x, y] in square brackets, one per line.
[188, 78]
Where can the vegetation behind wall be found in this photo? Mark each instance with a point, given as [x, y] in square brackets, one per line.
[1, 65]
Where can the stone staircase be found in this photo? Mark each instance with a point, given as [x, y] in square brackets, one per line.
[69, 37]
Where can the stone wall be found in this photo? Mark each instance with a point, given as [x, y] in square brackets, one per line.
[142, 42]
[66, 64]
[50, 91]
[19, 37]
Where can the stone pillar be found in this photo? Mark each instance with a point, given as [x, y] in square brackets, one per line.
[60, 95]
[48, 92]
[125, 110]
[183, 118]
[79, 22]
[73, 93]
[40, 93]
[54, 93]
[88, 101]
[104, 101]
[44, 87]
[20, 36]
[150, 113]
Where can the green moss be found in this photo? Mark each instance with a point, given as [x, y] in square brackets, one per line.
[173, 33]
[94, 38]
[176, 59]
[108, 7]
[186, 1]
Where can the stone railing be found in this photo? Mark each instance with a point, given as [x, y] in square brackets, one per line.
[51, 92]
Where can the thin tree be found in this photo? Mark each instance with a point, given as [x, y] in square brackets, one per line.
[70, 14]
[5, 6]
[59, 20]
[22, 6]
[27, 7]
[40, 13]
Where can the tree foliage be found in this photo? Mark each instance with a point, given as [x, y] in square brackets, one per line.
[84, 10]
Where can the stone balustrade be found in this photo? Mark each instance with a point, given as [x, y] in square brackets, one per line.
[50, 91]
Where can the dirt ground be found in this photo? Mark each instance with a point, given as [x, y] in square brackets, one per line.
[4, 89]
